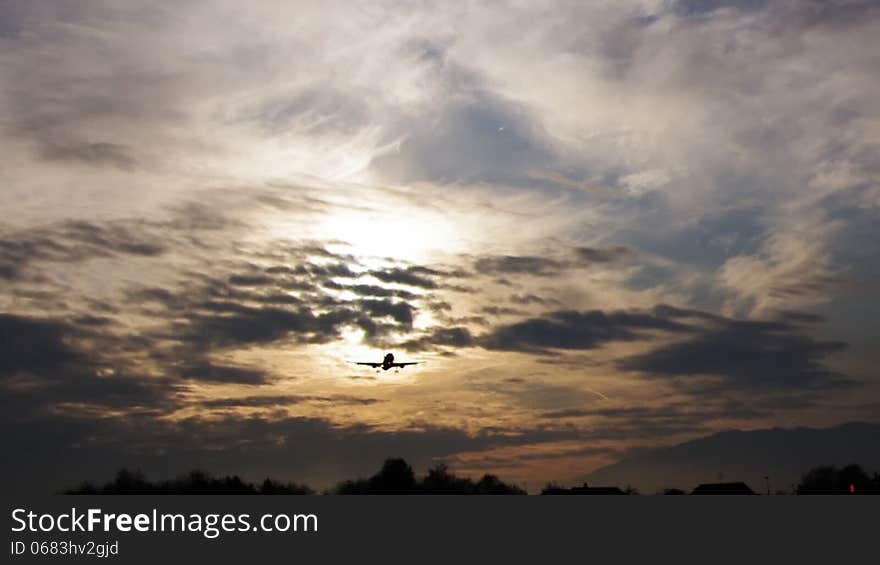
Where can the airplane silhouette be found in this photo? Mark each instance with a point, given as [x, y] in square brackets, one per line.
[386, 363]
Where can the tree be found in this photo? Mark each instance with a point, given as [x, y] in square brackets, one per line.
[828, 479]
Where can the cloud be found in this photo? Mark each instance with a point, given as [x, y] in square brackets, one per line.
[576, 330]
[33, 345]
[792, 269]
[699, 7]
[506, 264]
[401, 312]
[73, 242]
[456, 337]
[500, 311]
[279, 401]
[614, 421]
[251, 280]
[100, 153]
[746, 354]
[266, 325]
[407, 276]
[550, 264]
[590, 255]
[44, 363]
[526, 299]
[373, 290]
[207, 371]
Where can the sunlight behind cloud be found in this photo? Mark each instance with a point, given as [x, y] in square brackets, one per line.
[398, 232]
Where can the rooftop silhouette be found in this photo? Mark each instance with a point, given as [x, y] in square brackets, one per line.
[737, 487]
[585, 489]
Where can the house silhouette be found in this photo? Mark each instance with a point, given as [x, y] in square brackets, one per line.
[723, 488]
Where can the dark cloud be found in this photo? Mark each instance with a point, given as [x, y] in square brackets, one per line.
[401, 312]
[207, 371]
[43, 364]
[408, 276]
[536, 394]
[242, 303]
[89, 320]
[794, 15]
[585, 451]
[277, 401]
[575, 330]
[500, 311]
[372, 290]
[549, 265]
[341, 270]
[450, 337]
[512, 264]
[699, 7]
[198, 217]
[745, 354]
[99, 154]
[265, 325]
[251, 280]
[491, 463]
[801, 317]
[439, 306]
[614, 421]
[802, 285]
[526, 299]
[775, 354]
[602, 255]
[72, 242]
[567, 413]
[34, 346]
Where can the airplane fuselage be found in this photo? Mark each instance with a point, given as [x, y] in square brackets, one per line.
[387, 363]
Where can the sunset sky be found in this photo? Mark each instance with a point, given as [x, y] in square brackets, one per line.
[599, 226]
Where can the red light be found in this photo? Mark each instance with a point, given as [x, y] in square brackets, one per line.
[852, 488]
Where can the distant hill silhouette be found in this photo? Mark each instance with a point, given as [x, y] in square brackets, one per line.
[782, 455]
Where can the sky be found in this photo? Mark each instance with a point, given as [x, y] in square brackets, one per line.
[600, 227]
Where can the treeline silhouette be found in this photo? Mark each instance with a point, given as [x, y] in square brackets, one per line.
[827, 479]
[397, 477]
[196, 482]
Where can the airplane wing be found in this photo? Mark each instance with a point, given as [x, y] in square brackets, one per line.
[373, 365]
[405, 364]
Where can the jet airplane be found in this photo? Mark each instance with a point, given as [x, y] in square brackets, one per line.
[386, 363]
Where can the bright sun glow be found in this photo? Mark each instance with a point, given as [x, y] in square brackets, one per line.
[399, 233]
